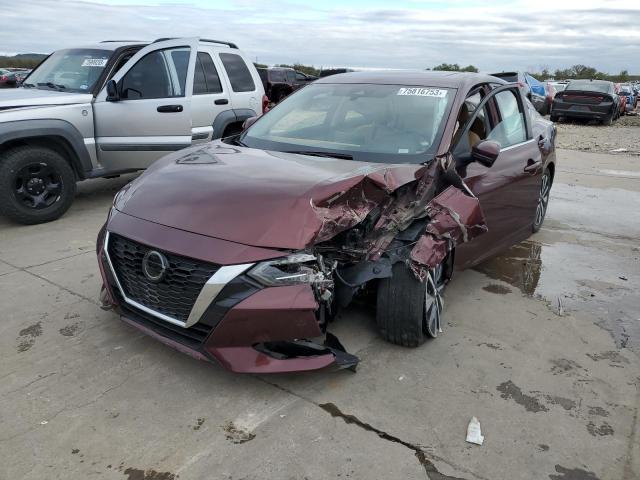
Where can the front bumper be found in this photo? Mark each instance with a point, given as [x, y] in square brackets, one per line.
[243, 326]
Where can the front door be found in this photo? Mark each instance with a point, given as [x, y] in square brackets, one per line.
[153, 114]
[508, 190]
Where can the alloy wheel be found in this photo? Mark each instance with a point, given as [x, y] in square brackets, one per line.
[543, 199]
[433, 303]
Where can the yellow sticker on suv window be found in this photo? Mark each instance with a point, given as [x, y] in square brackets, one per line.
[423, 92]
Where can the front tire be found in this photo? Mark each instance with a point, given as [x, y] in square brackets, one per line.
[37, 185]
[410, 311]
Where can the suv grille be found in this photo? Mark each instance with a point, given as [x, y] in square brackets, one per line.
[175, 294]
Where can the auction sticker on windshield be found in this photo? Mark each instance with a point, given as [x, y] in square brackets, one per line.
[94, 62]
[423, 92]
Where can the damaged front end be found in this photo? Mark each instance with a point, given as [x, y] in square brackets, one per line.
[378, 221]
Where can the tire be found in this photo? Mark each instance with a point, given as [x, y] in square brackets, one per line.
[543, 200]
[37, 185]
[608, 120]
[554, 118]
[402, 314]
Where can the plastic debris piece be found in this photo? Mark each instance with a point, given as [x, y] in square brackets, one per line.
[44, 422]
[619, 150]
[474, 434]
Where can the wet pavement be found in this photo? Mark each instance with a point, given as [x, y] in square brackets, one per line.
[586, 259]
[541, 344]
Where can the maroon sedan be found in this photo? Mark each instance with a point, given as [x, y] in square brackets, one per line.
[370, 185]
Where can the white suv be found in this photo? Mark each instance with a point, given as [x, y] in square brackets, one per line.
[116, 107]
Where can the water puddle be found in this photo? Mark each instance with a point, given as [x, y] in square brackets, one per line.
[576, 278]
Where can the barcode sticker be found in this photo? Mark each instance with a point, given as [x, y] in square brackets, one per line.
[94, 62]
[423, 92]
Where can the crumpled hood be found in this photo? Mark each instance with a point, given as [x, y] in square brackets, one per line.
[255, 197]
[34, 97]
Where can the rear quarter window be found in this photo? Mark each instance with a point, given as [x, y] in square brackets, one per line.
[239, 74]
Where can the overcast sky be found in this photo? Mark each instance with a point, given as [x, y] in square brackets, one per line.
[357, 33]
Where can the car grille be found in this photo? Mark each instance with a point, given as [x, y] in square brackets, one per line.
[175, 294]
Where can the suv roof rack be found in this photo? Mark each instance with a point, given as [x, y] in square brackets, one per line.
[207, 40]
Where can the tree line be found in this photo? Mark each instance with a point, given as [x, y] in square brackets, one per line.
[573, 72]
[30, 60]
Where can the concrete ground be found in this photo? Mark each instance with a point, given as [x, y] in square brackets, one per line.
[541, 345]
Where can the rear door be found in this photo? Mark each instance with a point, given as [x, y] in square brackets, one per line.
[508, 190]
[244, 82]
[153, 115]
[210, 96]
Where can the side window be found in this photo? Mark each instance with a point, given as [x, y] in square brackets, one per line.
[291, 76]
[300, 77]
[239, 75]
[206, 79]
[512, 128]
[477, 131]
[159, 74]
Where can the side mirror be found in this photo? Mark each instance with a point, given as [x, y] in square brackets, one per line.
[248, 122]
[485, 152]
[112, 91]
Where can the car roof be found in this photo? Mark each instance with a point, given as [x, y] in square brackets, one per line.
[422, 78]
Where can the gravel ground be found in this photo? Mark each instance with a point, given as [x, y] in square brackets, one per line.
[592, 137]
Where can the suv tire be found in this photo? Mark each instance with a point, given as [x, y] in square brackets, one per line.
[37, 185]
[404, 313]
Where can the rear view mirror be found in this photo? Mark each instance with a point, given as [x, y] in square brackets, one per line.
[248, 122]
[112, 91]
[485, 152]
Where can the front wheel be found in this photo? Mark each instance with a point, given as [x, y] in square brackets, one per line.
[37, 185]
[543, 200]
[408, 310]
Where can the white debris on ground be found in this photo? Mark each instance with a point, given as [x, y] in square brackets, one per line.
[474, 434]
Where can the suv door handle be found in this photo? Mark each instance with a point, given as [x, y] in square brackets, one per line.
[532, 166]
[170, 108]
[221, 101]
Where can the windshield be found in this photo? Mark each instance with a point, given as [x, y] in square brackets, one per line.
[588, 86]
[625, 89]
[74, 70]
[373, 123]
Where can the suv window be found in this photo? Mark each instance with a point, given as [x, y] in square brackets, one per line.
[291, 76]
[300, 77]
[239, 74]
[277, 76]
[206, 79]
[511, 129]
[159, 74]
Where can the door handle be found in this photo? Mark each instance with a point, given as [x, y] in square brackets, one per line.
[170, 108]
[532, 166]
[221, 101]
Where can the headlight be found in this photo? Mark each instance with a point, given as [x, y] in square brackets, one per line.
[292, 270]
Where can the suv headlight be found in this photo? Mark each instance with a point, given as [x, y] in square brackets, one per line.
[292, 270]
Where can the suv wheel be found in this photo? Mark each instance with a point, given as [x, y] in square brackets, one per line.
[410, 311]
[37, 185]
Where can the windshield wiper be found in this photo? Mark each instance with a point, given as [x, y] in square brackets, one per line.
[27, 85]
[342, 156]
[52, 85]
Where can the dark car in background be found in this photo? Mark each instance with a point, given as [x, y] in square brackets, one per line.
[371, 184]
[280, 82]
[532, 88]
[587, 99]
[7, 78]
